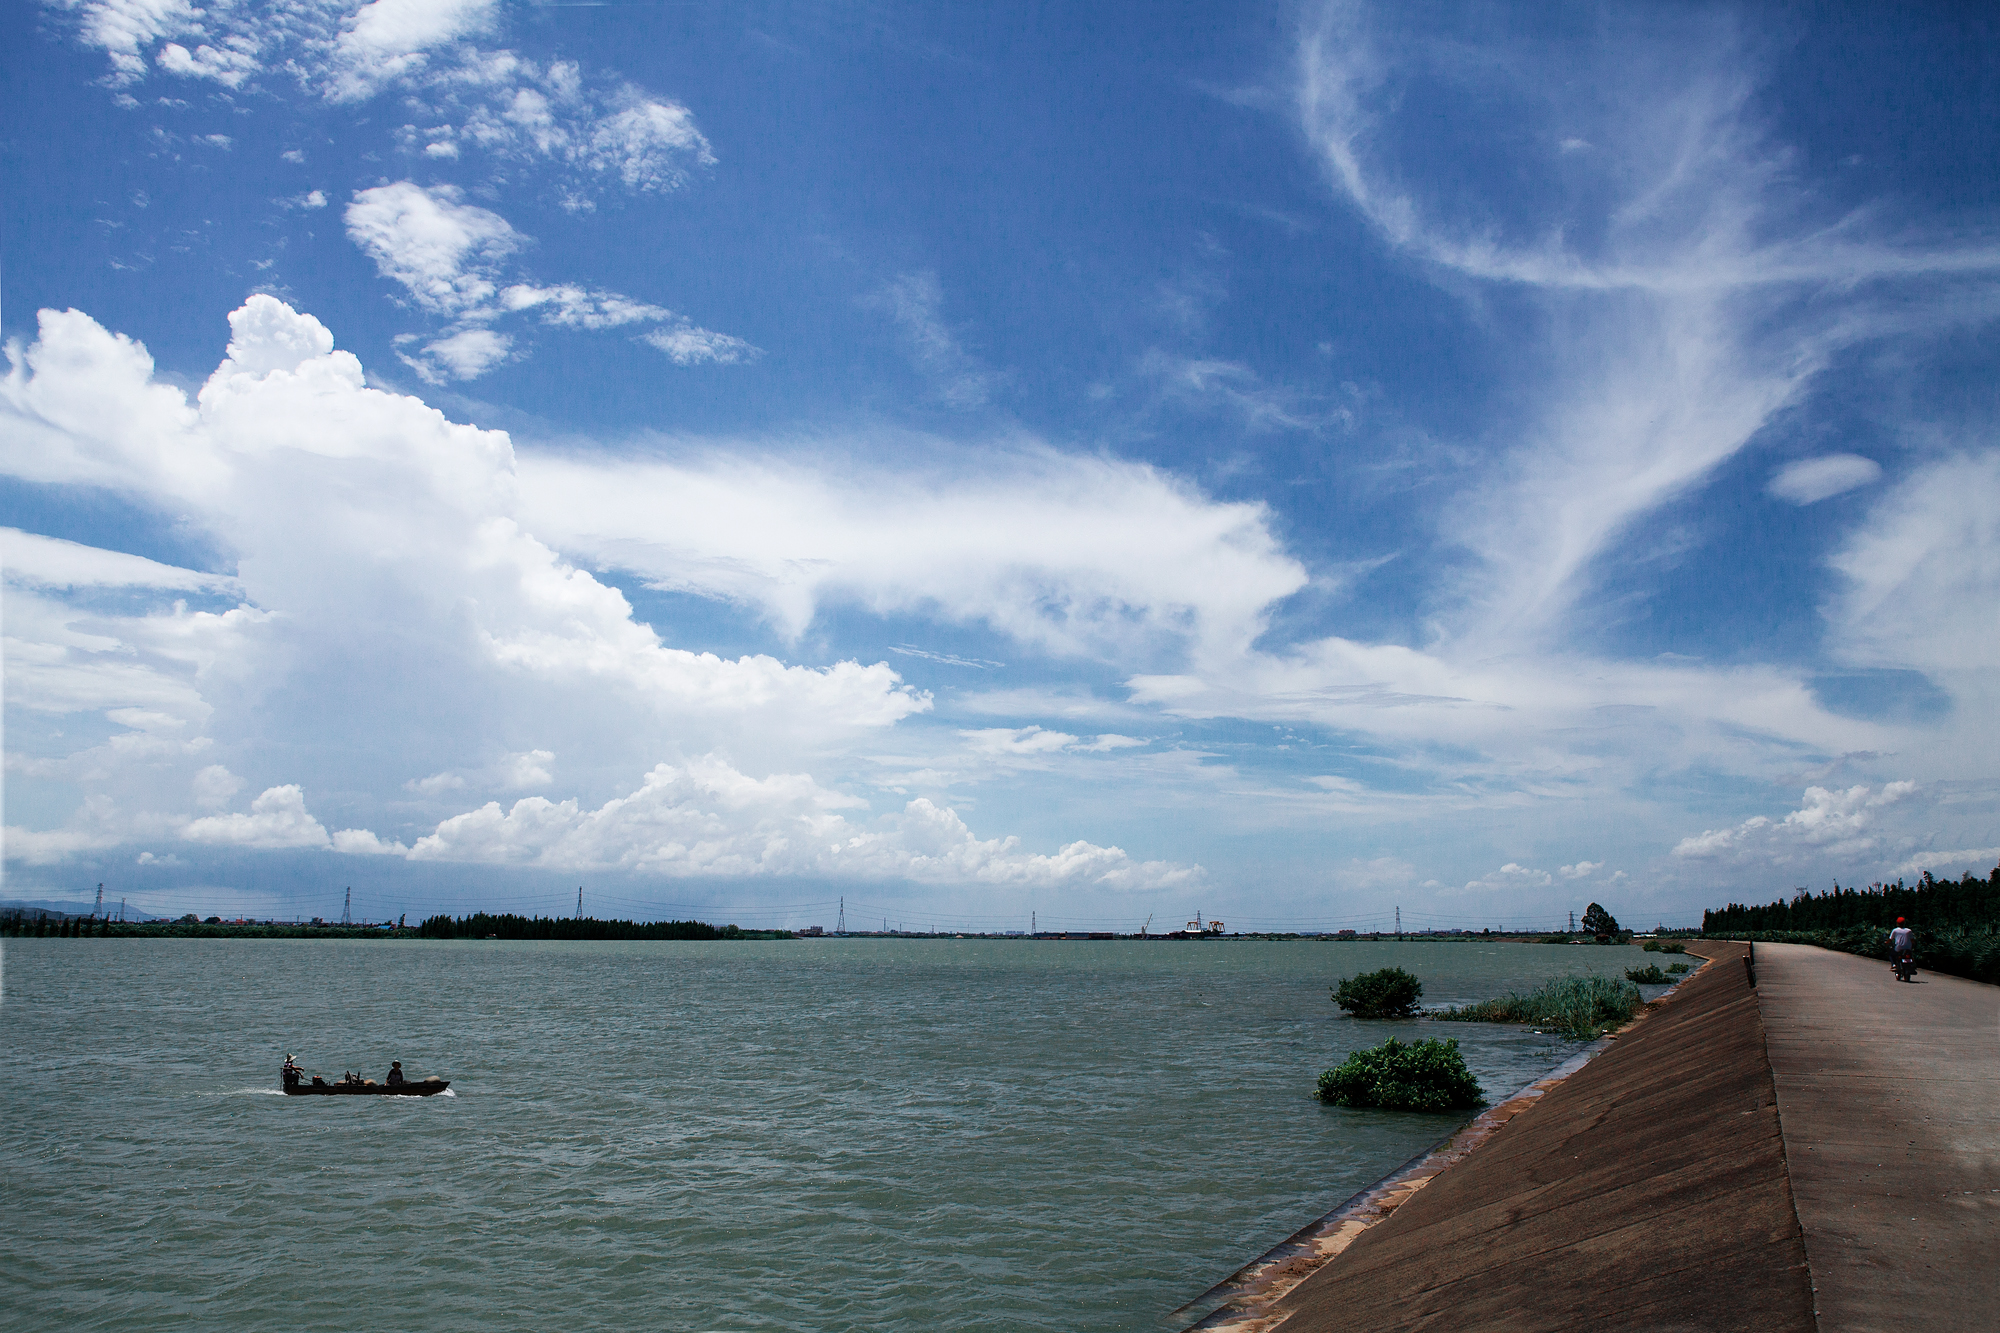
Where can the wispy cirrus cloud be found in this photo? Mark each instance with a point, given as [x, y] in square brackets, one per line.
[916, 302]
[1076, 556]
[1688, 290]
[1810, 480]
[1672, 292]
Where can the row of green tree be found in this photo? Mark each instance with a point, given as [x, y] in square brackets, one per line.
[43, 924]
[508, 926]
[1968, 903]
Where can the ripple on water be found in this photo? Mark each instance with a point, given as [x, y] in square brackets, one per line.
[812, 1135]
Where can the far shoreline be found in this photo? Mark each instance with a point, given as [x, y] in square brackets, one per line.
[17, 923]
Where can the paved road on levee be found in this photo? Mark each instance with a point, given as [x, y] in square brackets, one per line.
[1889, 1102]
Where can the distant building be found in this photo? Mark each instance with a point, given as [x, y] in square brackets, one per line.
[813, 930]
[1344, 935]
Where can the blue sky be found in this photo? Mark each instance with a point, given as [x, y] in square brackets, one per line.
[1108, 462]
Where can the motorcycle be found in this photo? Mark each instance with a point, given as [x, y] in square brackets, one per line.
[1906, 967]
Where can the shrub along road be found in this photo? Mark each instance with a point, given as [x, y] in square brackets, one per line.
[1889, 1097]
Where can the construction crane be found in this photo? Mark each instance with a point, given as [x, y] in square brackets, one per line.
[1148, 926]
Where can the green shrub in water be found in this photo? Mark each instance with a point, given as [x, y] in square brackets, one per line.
[1578, 1007]
[1421, 1076]
[1665, 946]
[1649, 975]
[1389, 993]
[1678, 968]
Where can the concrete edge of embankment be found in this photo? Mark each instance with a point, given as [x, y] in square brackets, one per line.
[1246, 1300]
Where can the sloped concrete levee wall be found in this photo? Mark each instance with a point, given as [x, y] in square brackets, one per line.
[1648, 1191]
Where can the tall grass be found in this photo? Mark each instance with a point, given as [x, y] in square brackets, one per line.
[1578, 1007]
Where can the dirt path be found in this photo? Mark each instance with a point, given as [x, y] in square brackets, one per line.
[1889, 1099]
[1646, 1192]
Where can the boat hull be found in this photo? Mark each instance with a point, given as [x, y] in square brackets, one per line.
[429, 1087]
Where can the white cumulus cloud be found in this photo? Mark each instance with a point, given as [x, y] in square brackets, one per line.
[464, 355]
[1841, 823]
[383, 558]
[277, 819]
[1973, 859]
[707, 818]
[444, 252]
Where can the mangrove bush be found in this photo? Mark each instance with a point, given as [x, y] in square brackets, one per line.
[1427, 1075]
[1389, 993]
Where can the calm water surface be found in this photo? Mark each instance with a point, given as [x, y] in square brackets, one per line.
[799, 1135]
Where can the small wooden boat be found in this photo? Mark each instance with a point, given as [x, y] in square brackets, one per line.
[368, 1087]
[295, 1083]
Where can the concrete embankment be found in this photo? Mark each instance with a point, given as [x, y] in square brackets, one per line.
[1648, 1191]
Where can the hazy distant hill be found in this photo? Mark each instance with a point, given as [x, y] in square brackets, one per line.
[133, 912]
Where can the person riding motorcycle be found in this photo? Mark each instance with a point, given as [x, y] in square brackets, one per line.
[1902, 946]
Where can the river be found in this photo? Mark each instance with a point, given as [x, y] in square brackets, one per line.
[802, 1135]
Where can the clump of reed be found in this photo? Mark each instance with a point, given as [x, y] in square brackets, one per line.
[1580, 1007]
[1649, 975]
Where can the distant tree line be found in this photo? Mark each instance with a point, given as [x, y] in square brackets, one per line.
[1968, 903]
[1957, 922]
[41, 924]
[508, 926]
[34, 924]
[478, 926]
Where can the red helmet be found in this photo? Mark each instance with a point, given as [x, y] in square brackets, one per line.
[1899, 921]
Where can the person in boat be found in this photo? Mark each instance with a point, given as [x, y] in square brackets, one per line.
[395, 1078]
[291, 1073]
